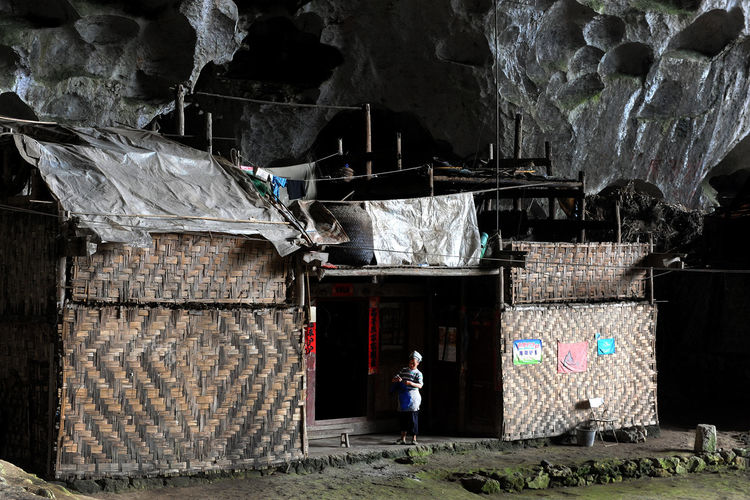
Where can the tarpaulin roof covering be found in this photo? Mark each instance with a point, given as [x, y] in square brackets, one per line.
[437, 231]
[432, 231]
[123, 184]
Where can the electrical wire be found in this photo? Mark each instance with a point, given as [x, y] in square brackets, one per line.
[11, 208]
[491, 190]
[388, 172]
[277, 103]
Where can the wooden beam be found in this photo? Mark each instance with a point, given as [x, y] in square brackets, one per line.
[407, 271]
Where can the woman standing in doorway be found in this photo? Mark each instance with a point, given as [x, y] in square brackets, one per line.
[407, 383]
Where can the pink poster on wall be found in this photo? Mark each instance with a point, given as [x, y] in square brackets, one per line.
[572, 358]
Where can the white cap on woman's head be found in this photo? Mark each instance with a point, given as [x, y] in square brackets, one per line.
[416, 356]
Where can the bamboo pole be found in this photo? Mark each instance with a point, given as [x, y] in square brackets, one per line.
[518, 137]
[582, 179]
[399, 164]
[368, 142]
[651, 270]
[551, 201]
[209, 133]
[517, 142]
[619, 222]
[180, 109]
[501, 288]
[301, 274]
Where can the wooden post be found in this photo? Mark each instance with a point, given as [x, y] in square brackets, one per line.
[341, 146]
[308, 409]
[179, 109]
[209, 133]
[368, 142]
[432, 180]
[651, 270]
[51, 406]
[497, 340]
[433, 348]
[551, 201]
[6, 170]
[582, 179]
[517, 143]
[399, 165]
[518, 137]
[463, 343]
[492, 151]
[619, 222]
[501, 288]
[36, 183]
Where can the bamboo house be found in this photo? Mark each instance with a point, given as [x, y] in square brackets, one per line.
[148, 323]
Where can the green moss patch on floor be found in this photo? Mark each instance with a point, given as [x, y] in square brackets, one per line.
[548, 475]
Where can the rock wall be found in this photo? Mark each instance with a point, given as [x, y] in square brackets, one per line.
[107, 63]
[649, 89]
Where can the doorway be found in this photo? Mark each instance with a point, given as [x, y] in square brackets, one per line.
[341, 377]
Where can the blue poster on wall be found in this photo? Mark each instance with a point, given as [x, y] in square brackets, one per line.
[604, 346]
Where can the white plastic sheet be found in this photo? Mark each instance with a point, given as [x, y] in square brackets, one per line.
[124, 184]
[437, 231]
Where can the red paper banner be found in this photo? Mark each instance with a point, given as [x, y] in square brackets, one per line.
[572, 358]
[310, 341]
[373, 338]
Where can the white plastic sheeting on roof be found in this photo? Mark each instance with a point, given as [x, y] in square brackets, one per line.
[438, 231]
[123, 184]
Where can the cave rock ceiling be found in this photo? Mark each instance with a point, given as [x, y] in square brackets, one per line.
[652, 89]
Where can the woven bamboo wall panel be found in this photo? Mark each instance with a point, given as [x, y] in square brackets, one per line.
[152, 391]
[183, 268]
[28, 266]
[563, 272]
[27, 372]
[539, 402]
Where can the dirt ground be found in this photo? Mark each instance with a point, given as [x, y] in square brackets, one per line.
[385, 478]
